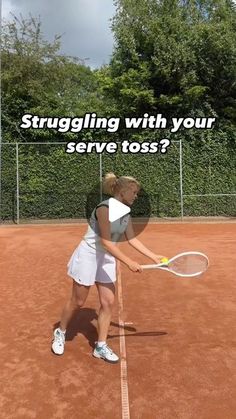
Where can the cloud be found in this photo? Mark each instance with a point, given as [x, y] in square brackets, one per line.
[85, 25]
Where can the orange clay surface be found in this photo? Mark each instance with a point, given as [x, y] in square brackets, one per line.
[181, 347]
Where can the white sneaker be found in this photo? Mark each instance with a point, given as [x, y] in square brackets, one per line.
[58, 342]
[105, 353]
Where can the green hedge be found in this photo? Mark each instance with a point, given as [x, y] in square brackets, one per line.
[54, 184]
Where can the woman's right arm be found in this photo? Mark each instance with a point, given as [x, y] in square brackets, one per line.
[105, 237]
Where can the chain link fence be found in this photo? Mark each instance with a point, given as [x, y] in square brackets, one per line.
[39, 181]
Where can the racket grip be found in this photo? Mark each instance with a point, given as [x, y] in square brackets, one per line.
[149, 266]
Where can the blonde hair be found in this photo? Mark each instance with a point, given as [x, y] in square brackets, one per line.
[113, 184]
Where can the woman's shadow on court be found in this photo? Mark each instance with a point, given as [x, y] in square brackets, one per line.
[82, 323]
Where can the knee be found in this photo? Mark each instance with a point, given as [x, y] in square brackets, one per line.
[77, 303]
[107, 303]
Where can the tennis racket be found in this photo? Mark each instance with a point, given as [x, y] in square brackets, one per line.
[187, 264]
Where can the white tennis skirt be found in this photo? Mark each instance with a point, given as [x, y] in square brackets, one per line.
[87, 266]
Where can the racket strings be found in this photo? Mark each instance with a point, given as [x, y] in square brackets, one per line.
[189, 264]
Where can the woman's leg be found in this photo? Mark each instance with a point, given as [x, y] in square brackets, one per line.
[77, 300]
[106, 296]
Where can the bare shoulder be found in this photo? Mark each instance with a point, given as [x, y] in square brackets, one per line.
[103, 209]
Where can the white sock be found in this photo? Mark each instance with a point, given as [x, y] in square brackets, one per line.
[101, 343]
[62, 331]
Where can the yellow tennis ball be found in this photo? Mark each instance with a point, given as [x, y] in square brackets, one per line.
[164, 260]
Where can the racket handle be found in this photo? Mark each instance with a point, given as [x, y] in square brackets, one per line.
[149, 266]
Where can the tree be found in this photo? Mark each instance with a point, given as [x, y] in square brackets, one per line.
[175, 57]
[36, 79]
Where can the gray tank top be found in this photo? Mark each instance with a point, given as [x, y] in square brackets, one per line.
[118, 227]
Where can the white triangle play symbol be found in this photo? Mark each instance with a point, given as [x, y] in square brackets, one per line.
[117, 210]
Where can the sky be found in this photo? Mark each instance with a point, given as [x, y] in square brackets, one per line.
[85, 25]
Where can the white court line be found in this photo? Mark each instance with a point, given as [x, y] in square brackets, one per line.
[123, 362]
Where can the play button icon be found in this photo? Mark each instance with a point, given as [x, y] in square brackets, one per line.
[139, 211]
[117, 210]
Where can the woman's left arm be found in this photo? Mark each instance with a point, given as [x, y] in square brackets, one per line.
[134, 242]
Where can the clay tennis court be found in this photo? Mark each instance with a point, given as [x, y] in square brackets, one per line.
[178, 334]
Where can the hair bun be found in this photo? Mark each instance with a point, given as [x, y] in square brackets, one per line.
[109, 183]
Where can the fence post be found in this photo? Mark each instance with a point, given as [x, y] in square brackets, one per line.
[100, 175]
[17, 186]
[181, 179]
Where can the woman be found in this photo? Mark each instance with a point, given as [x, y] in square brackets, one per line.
[94, 261]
